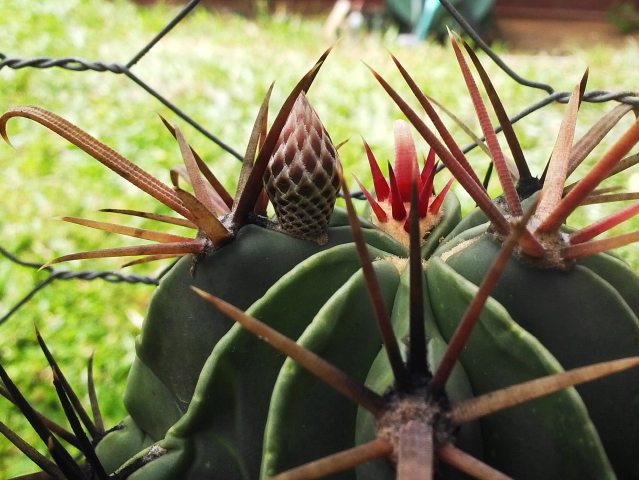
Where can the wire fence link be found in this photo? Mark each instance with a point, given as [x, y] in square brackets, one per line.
[79, 64]
[88, 275]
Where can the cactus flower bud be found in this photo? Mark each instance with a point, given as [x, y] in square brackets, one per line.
[392, 206]
[301, 178]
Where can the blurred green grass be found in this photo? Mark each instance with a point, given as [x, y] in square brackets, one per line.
[217, 68]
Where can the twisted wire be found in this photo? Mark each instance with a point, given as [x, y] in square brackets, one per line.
[594, 96]
[78, 64]
[68, 63]
[590, 96]
[110, 276]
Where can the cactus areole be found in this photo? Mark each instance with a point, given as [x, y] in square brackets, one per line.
[416, 346]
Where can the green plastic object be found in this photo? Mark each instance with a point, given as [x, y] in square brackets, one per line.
[429, 17]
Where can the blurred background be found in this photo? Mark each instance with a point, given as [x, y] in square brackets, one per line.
[216, 65]
[516, 22]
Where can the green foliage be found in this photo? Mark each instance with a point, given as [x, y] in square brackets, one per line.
[624, 16]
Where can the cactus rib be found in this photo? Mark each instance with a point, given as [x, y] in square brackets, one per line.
[383, 321]
[331, 375]
[467, 323]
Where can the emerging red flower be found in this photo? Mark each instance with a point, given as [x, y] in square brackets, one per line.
[391, 206]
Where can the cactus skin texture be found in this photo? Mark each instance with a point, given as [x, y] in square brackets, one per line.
[221, 434]
[211, 399]
[551, 310]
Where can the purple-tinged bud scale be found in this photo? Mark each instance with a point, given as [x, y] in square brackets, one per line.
[301, 178]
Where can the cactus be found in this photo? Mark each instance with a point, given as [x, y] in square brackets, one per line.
[575, 299]
[505, 313]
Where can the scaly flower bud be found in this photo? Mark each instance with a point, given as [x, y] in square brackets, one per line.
[301, 178]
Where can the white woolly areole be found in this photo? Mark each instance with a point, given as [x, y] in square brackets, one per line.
[395, 228]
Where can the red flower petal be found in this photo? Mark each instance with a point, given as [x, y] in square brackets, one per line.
[406, 164]
[439, 199]
[425, 194]
[429, 166]
[397, 205]
[381, 187]
[379, 212]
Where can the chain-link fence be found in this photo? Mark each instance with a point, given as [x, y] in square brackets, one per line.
[79, 64]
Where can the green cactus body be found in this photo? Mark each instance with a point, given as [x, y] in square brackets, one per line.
[451, 217]
[188, 346]
[240, 273]
[181, 330]
[576, 317]
[342, 333]
[249, 416]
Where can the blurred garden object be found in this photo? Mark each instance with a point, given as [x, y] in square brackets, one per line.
[624, 16]
[429, 17]
[566, 23]
[354, 16]
[563, 9]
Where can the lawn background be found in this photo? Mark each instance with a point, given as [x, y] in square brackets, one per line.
[216, 68]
